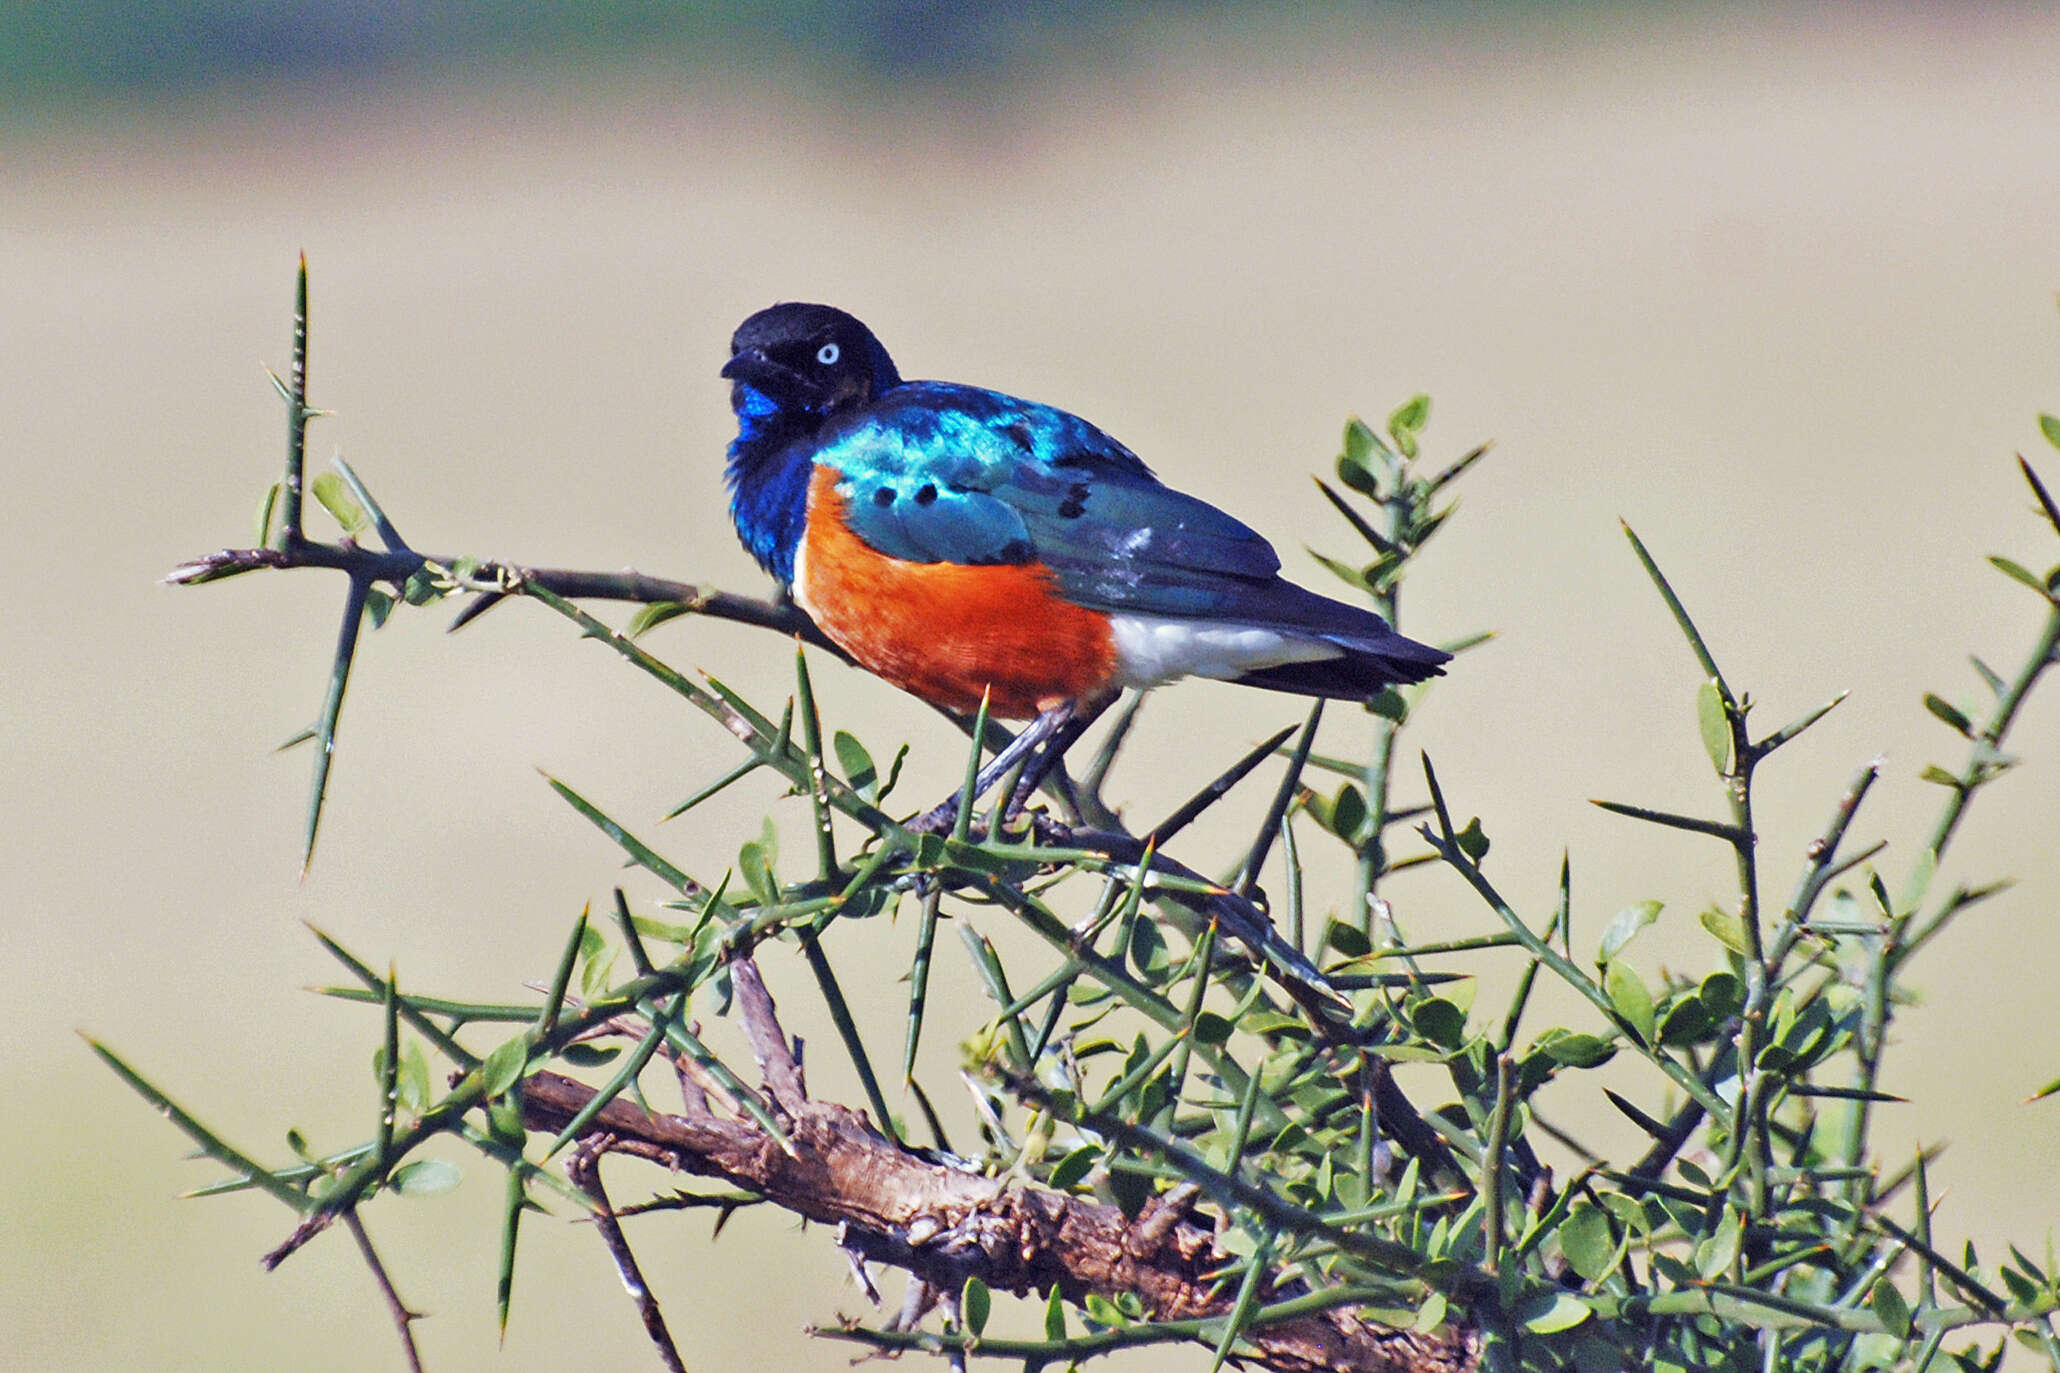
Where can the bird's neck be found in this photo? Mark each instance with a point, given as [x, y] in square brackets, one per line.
[768, 474]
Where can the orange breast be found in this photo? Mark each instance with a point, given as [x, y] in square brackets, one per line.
[946, 631]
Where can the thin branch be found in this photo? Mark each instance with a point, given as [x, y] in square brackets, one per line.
[403, 1318]
[584, 1168]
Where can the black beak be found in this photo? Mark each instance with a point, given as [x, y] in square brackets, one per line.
[753, 367]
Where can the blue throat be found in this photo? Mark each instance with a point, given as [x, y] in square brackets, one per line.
[768, 475]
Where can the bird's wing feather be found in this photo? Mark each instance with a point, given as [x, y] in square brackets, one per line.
[941, 473]
[935, 472]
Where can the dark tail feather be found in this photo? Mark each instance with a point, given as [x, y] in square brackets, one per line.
[1356, 674]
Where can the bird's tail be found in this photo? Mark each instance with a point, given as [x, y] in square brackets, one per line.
[1361, 669]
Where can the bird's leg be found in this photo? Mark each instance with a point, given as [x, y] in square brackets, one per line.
[940, 817]
[1080, 718]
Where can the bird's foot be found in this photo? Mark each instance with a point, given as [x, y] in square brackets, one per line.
[942, 818]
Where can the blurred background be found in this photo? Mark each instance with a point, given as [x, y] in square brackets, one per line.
[1777, 287]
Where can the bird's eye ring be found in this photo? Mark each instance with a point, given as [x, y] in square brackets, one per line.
[828, 354]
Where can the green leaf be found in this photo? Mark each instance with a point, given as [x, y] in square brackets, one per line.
[1349, 940]
[1729, 928]
[1345, 572]
[757, 870]
[1577, 1050]
[974, 1302]
[1440, 1021]
[1722, 994]
[421, 587]
[1349, 819]
[334, 494]
[649, 617]
[1548, 1313]
[1211, 1028]
[1627, 992]
[425, 1177]
[504, 1120]
[597, 962]
[1888, 1304]
[1431, 1314]
[1148, 951]
[1584, 1237]
[1408, 421]
[590, 1055]
[1686, 1022]
[1948, 712]
[859, 768]
[1054, 1315]
[414, 1078]
[1715, 724]
[378, 605]
[2022, 1289]
[1624, 926]
[2050, 427]
[1939, 776]
[267, 507]
[1473, 840]
[1073, 1167]
[1360, 441]
[503, 1067]
[1389, 704]
[2017, 572]
[1103, 1312]
[1715, 1255]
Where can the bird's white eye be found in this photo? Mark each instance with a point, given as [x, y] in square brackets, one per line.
[828, 354]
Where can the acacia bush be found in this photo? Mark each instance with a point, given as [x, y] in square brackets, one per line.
[1188, 1127]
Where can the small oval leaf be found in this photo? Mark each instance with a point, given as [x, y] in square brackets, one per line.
[1628, 993]
[425, 1177]
[1715, 1255]
[1073, 1167]
[1729, 928]
[1586, 1241]
[1473, 840]
[1686, 1022]
[1548, 1313]
[1948, 712]
[974, 1303]
[1440, 1021]
[857, 763]
[1715, 725]
[1624, 926]
[1722, 995]
[1578, 1050]
[336, 498]
[503, 1067]
[1888, 1304]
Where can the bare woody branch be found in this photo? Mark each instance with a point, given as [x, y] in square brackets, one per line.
[395, 567]
[944, 1225]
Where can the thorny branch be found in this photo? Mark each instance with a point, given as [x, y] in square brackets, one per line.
[1329, 1010]
[944, 1225]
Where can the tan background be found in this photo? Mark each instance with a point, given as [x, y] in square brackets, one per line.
[1777, 290]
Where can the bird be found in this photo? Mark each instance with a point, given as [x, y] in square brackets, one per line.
[964, 544]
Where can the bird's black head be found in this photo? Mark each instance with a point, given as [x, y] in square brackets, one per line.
[808, 358]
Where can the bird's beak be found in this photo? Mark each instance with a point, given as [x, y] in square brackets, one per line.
[754, 368]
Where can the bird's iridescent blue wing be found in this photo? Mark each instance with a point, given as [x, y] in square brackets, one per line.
[935, 472]
[942, 473]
